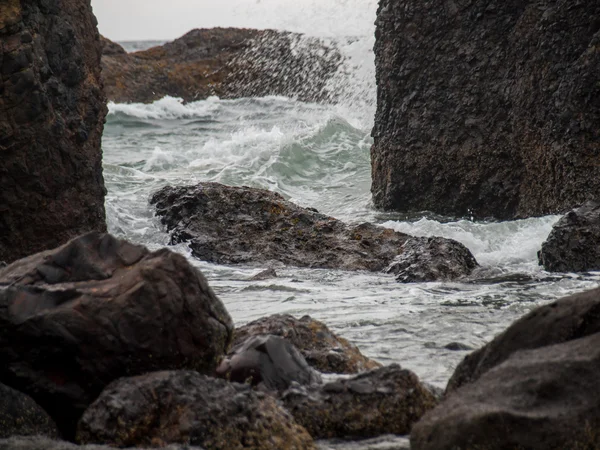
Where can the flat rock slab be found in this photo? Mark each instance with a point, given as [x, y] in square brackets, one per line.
[21, 416]
[98, 308]
[186, 407]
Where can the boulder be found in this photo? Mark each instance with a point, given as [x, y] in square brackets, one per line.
[226, 62]
[268, 360]
[323, 350]
[567, 319]
[186, 407]
[21, 416]
[486, 108]
[574, 242]
[383, 401]
[432, 259]
[52, 110]
[41, 443]
[546, 398]
[98, 308]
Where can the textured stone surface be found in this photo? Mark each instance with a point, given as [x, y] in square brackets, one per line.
[574, 242]
[567, 319]
[487, 108]
[52, 110]
[545, 398]
[227, 62]
[76, 318]
[186, 407]
[40, 443]
[21, 416]
[323, 350]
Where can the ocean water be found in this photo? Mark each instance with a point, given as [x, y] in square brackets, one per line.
[317, 155]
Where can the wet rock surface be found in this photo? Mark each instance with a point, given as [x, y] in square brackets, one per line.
[545, 398]
[226, 62]
[574, 242]
[486, 108]
[186, 407]
[40, 443]
[432, 259]
[323, 350]
[567, 319]
[52, 110]
[383, 401]
[21, 416]
[98, 308]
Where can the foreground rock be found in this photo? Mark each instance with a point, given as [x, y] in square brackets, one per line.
[323, 350]
[226, 62]
[21, 416]
[40, 443]
[186, 407]
[574, 242]
[52, 110]
[567, 319]
[382, 401]
[432, 259]
[231, 225]
[546, 398]
[75, 318]
[486, 108]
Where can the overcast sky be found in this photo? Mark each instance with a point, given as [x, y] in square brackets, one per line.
[159, 19]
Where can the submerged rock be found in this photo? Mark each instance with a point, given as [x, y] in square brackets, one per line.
[98, 308]
[323, 350]
[432, 259]
[41, 443]
[388, 400]
[52, 110]
[186, 407]
[545, 398]
[574, 242]
[486, 108]
[21, 416]
[226, 62]
[269, 360]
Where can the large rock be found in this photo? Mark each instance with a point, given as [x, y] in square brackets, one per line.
[186, 407]
[486, 108]
[388, 400]
[41, 443]
[322, 349]
[52, 110]
[227, 62]
[75, 318]
[567, 319]
[574, 242]
[546, 399]
[21, 416]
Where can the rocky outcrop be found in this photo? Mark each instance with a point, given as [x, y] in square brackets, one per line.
[323, 350]
[486, 108]
[574, 242]
[52, 109]
[186, 407]
[432, 259]
[21, 416]
[40, 443]
[382, 401]
[232, 225]
[267, 360]
[226, 62]
[546, 398]
[76, 318]
[567, 319]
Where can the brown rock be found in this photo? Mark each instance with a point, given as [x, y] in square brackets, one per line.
[41, 443]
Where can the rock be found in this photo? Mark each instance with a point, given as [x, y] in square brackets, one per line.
[110, 48]
[186, 407]
[52, 110]
[226, 62]
[264, 275]
[486, 108]
[270, 360]
[382, 401]
[41, 443]
[574, 242]
[567, 319]
[98, 308]
[545, 398]
[457, 346]
[432, 259]
[323, 350]
[21, 416]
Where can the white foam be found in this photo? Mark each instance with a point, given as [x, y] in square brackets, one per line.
[166, 108]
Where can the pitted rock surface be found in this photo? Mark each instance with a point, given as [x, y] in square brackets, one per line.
[21, 416]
